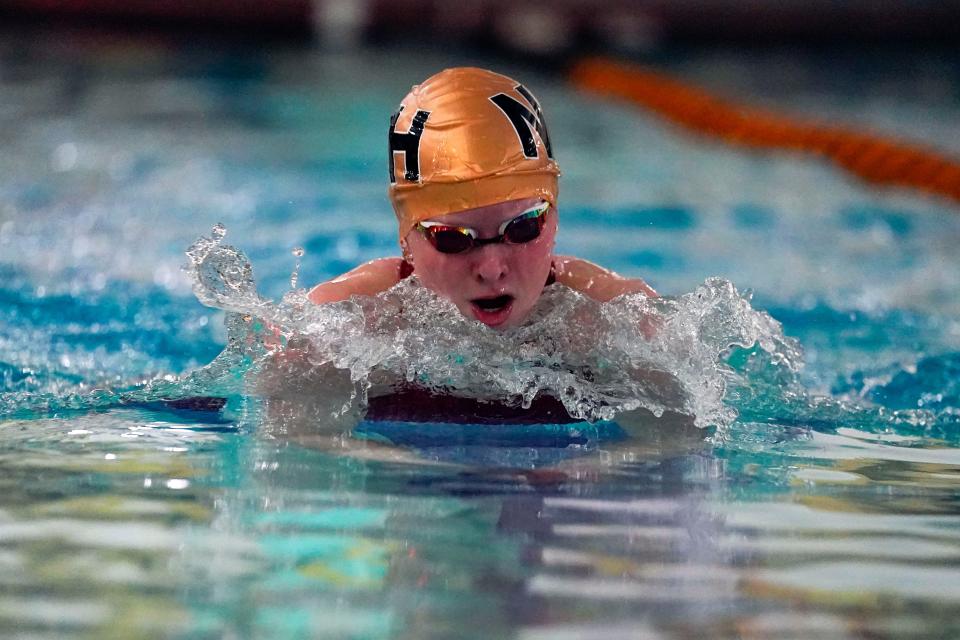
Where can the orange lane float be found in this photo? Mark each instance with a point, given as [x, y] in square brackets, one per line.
[872, 157]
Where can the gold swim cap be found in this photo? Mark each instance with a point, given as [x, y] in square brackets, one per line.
[467, 138]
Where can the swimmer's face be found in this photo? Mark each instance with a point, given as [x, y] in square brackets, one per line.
[498, 283]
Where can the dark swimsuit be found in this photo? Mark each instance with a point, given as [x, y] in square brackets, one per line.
[413, 403]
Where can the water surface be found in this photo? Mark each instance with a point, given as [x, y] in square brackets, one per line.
[831, 513]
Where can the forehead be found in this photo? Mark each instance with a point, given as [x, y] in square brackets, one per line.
[492, 215]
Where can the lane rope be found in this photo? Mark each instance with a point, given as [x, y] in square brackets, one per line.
[875, 158]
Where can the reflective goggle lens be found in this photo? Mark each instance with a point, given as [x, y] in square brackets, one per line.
[524, 228]
[449, 240]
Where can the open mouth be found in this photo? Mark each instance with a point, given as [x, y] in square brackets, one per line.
[493, 311]
[492, 304]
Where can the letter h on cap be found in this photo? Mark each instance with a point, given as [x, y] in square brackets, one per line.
[408, 144]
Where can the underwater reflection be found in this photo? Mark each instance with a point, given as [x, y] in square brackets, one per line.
[243, 532]
[446, 548]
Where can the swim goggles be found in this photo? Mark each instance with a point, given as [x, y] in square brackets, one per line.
[526, 227]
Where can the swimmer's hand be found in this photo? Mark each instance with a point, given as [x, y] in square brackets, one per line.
[368, 279]
[604, 285]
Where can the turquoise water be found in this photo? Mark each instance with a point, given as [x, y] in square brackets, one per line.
[825, 512]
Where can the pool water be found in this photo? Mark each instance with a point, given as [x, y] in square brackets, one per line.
[830, 514]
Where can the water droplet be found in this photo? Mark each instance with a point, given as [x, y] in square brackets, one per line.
[218, 231]
[295, 276]
[222, 274]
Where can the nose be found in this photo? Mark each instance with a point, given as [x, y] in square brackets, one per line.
[490, 265]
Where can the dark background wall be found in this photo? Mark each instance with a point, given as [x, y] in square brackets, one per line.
[533, 26]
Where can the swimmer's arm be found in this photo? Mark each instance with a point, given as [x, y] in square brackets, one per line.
[596, 282]
[366, 280]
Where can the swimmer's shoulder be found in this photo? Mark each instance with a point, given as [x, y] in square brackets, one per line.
[368, 279]
[596, 282]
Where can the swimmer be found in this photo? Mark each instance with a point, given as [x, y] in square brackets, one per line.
[473, 183]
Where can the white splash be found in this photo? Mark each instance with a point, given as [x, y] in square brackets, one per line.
[598, 359]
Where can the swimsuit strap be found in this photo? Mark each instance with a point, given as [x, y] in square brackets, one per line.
[406, 270]
[552, 276]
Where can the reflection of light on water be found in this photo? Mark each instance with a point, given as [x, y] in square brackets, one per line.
[878, 437]
[633, 629]
[603, 589]
[824, 625]
[838, 447]
[874, 547]
[810, 474]
[649, 507]
[55, 612]
[855, 581]
[778, 516]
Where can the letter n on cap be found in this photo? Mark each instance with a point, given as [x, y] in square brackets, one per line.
[408, 144]
[525, 121]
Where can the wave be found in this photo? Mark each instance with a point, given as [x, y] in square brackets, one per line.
[931, 382]
[682, 355]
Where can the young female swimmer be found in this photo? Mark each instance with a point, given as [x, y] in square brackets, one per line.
[473, 184]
